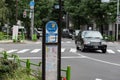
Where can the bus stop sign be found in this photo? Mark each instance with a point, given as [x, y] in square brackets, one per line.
[51, 32]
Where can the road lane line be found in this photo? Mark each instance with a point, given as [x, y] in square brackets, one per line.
[110, 51]
[13, 50]
[73, 57]
[35, 50]
[68, 42]
[67, 57]
[73, 50]
[23, 51]
[98, 79]
[62, 49]
[98, 60]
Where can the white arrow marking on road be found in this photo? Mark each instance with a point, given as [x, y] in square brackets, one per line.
[62, 49]
[73, 50]
[110, 51]
[35, 50]
[23, 51]
[98, 79]
[13, 50]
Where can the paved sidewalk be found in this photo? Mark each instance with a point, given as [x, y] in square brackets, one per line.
[23, 41]
[1, 49]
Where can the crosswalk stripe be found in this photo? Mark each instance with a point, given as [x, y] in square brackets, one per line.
[38, 43]
[22, 51]
[73, 50]
[62, 49]
[35, 50]
[13, 50]
[110, 51]
[118, 50]
[68, 42]
[98, 79]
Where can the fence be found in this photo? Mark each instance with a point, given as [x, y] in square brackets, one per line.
[28, 65]
[18, 61]
[68, 73]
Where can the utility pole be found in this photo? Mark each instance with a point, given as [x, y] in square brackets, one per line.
[32, 17]
[117, 20]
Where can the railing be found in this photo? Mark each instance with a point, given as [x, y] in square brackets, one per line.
[68, 73]
[17, 60]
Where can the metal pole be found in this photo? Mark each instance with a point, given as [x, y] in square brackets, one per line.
[32, 21]
[59, 42]
[117, 20]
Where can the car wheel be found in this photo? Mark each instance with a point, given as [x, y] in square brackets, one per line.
[82, 48]
[77, 47]
[104, 51]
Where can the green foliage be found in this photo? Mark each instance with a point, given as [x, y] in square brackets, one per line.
[20, 74]
[10, 71]
[34, 37]
[6, 67]
[108, 38]
[87, 11]
[1, 35]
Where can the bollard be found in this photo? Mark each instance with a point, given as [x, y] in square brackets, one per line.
[18, 61]
[5, 55]
[28, 66]
[68, 76]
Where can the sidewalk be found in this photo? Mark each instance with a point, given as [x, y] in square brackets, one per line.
[22, 41]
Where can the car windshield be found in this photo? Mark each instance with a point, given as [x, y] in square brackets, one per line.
[92, 34]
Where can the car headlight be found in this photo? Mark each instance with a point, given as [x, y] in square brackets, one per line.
[103, 43]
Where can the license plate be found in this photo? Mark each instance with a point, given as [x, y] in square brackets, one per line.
[96, 46]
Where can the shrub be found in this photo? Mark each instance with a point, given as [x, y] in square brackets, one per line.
[6, 67]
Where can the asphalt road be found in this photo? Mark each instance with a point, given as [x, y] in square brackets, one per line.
[92, 65]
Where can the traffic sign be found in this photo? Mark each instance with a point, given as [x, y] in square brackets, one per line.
[32, 3]
[50, 60]
[51, 32]
[51, 27]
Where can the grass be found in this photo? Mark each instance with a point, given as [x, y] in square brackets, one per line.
[20, 74]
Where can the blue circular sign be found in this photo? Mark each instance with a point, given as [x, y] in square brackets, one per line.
[51, 26]
[32, 3]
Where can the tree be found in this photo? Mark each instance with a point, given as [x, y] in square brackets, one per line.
[11, 13]
[87, 11]
[76, 10]
[3, 12]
